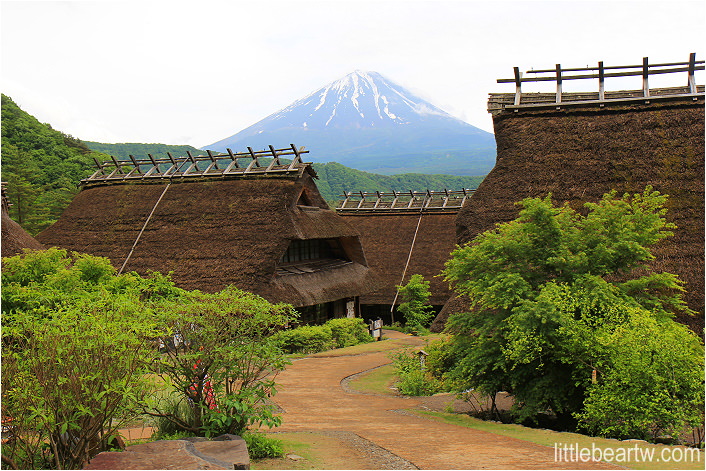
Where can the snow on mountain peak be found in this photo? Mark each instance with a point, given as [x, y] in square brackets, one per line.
[360, 99]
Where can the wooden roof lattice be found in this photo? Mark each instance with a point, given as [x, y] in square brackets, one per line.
[212, 165]
[523, 100]
[378, 202]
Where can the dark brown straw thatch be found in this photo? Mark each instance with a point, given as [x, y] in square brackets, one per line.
[578, 154]
[214, 233]
[14, 238]
[387, 239]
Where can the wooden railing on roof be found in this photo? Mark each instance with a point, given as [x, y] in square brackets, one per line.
[208, 166]
[520, 100]
[403, 201]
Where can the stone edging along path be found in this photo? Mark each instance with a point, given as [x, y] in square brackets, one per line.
[313, 399]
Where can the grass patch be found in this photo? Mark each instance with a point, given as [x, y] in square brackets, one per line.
[633, 455]
[313, 450]
[377, 381]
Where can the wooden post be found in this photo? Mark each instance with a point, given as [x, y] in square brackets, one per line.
[558, 83]
[692, 68]
[601, 81]
[645, 76]
[215, 162]
[518, 85]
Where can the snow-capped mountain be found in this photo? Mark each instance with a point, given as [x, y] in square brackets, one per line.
[368, 122]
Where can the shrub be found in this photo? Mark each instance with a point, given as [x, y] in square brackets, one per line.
[219, 356]
[305, 339]
[348, 331]
[74, 358]
[261, 446]
[413, 379]
[335, 333]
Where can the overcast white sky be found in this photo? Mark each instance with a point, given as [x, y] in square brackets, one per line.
[196, 72]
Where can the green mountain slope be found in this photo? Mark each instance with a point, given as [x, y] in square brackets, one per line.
[41, 166]
[335, 178]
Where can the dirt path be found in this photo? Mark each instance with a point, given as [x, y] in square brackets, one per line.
[311, 396]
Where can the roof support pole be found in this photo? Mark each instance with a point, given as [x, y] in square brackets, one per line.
[143, 228]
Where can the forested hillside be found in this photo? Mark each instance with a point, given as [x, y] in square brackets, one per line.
[42, 167]
[335, 178]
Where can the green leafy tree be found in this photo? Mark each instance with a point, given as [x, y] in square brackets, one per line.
[543, 286]
[650, 383]
[220, 360]
[415, 304]
[80, 348]
[74, 357]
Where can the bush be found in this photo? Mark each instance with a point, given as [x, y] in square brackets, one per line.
[74, 358]
[650, 386]
[348, 331]
[335, 333]
[261, 446]
[304, 339]
[413, 379]
[219, 356]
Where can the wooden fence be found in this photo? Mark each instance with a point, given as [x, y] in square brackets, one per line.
[403, 201]
[601, 97]
[190, 166]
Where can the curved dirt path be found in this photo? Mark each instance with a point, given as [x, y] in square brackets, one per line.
[312, 400]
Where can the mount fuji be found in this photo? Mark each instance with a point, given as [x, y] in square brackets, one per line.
[367, 122]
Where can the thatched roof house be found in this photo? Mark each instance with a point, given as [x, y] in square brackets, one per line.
[579, 151]
[404, 233]
[263, 228]
[14, 238]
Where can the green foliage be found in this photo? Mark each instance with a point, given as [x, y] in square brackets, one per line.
[79, 344]
[414, 306]
[74, 357]
[305, 339]
[261, 446]
[547, 290]
[414, 380]
[335, 333]
[42, 167]
[348, 331]
[218, 355]
[650, 386]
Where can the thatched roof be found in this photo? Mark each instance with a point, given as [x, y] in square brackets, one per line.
[14, 238]
[580, 153]
[214, 232]
[387, 238]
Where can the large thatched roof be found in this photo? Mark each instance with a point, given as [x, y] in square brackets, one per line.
[388, 221]
[214, 232]
[579, 153]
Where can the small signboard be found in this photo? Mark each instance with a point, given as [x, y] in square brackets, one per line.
[376, 328]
